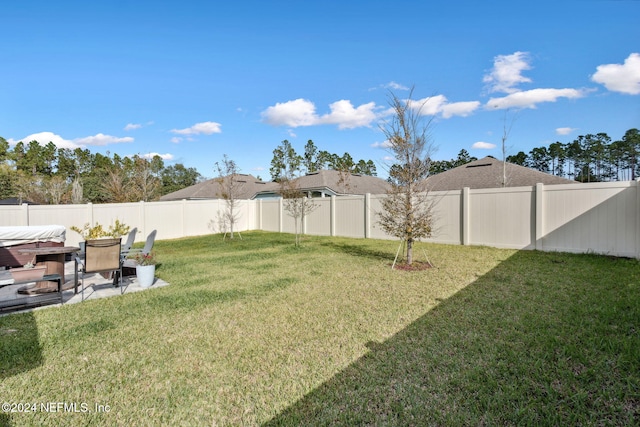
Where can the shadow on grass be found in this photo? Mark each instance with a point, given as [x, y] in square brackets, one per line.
[557, 344]
[20, 350]
[359, 251]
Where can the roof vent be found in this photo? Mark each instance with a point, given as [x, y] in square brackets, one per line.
[478, 166]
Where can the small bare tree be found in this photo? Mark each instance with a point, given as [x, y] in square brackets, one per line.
[507, 124]
[407, 212]
[230, 188]
[296, 204]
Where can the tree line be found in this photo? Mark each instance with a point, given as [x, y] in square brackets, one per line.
[313, 160]
[588, 158]
[46, 174]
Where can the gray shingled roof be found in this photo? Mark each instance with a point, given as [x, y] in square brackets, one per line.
[349, 184]
[210, 189]
[487, 173]
[322, 180]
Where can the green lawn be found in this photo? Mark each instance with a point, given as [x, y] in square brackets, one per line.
[258, 332]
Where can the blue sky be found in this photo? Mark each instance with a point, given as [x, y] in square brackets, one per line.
[193, 80]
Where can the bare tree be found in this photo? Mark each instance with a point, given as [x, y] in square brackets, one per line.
[407, 212]
[115, 187]
[230, 188]
[507, 124]
[56, 189]
[296, 204]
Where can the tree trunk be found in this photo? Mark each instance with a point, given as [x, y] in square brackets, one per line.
[409, 251]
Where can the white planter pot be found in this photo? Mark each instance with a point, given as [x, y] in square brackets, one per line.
[145, 274]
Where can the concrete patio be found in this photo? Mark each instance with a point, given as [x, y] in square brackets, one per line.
[102, 288]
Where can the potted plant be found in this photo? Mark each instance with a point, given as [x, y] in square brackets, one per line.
[97, 231]
[29, 272]
[145, 268]
[88, 232]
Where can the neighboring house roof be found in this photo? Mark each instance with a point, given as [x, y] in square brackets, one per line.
[211, 189]
[331, 182]
[14, 201]
[487, 173]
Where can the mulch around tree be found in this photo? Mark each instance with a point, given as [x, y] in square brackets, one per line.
[415, 266]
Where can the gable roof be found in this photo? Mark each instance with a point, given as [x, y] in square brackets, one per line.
[487, 173]
[210, 189]
[330, 180]
[341, 183]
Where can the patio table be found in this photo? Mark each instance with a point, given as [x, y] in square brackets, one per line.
[53, 259]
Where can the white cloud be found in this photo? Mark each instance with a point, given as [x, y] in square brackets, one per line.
[176, 139]
[44, 138]
[428, 106]
[564, 131]
[150, 156]
[529, 98]
[346, 116]
[204, 128]
[440, 105]
[102, 139]
[132, 126]
[483, 145]
[383, 144]
[299, 112]
[302, 112]
[459, 109]
[507, 72]
[623, 78]
[395, 86]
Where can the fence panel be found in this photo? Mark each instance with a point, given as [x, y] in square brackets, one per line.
[271, 215]
[600, 217]
[503, 217]
[447, 217]
[318, 222]
[12, 215]
[350, 213]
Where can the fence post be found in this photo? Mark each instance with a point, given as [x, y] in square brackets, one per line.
[539, 216]
[259, 207]
[280, 208]
[466, 215]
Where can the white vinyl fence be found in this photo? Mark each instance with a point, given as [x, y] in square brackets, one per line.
[597, 217]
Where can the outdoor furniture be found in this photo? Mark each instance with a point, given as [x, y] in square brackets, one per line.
[148, 245]
[127, 245]
[129, 265]
[100, 256]
[53, 259]
[14, 303]
[15, 238]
